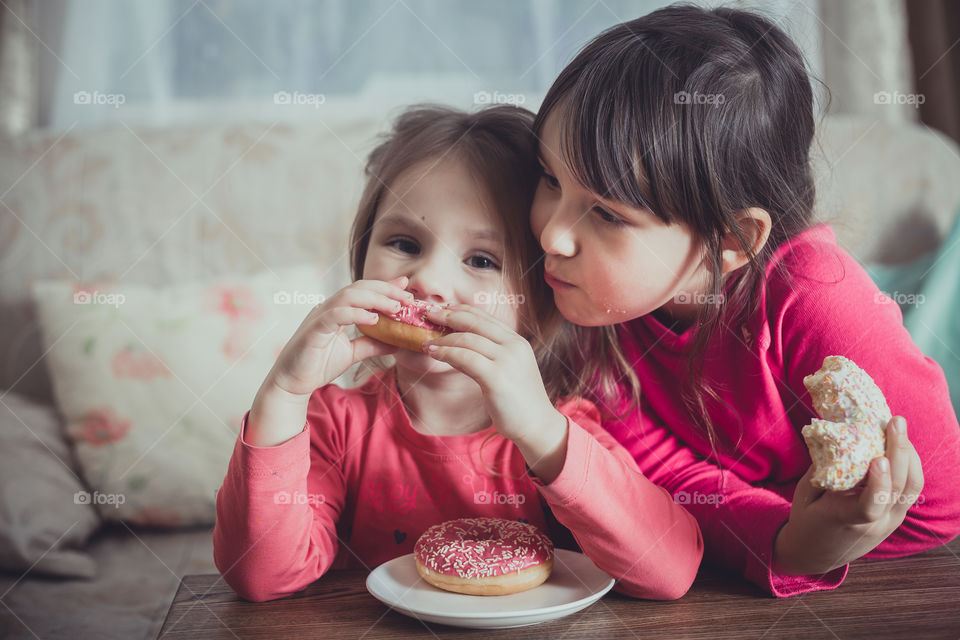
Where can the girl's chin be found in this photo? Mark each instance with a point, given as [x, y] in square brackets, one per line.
[590, 314]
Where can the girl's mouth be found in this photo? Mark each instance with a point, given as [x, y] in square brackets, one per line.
[556, 283]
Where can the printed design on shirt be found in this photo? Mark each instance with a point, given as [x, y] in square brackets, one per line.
[399, 536]
[389, 496]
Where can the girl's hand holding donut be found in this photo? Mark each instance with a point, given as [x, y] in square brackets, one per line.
[320, 350]
[317, 353]
[828, 529]
[503, 364]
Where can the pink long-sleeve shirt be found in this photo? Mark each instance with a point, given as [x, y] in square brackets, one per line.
[828, 306]
[359, 485]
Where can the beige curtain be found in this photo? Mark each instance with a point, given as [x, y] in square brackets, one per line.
[18, 67]
[934, 27]
[867, 59]
[866, 52]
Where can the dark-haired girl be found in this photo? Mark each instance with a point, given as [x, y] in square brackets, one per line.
[675, 212]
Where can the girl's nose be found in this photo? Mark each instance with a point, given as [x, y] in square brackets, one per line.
[557, 235]
[431, 281]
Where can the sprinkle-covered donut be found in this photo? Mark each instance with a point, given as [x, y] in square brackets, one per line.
[408, 328]
[484, 556]
[854, 419]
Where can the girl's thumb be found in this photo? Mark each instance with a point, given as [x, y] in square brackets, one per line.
[805, 493]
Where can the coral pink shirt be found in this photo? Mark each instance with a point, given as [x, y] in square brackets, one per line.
[829, 307]
[359, 485]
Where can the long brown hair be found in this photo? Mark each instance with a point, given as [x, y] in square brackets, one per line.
[498, 146]
[642, 124]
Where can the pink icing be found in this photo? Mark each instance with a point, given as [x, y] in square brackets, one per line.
[482, 547]
[414, 313]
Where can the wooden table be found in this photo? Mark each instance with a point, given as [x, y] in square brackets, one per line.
[915, 597]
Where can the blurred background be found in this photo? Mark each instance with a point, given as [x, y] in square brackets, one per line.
[177, 182]
[173, 61]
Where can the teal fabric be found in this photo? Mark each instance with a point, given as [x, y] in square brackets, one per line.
[928, 292]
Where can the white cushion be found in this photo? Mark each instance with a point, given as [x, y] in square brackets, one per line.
[153, 381]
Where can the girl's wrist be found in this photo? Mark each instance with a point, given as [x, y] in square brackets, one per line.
[545, 447]
[787, 558]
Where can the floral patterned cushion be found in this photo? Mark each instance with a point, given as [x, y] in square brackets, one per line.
[153, 382]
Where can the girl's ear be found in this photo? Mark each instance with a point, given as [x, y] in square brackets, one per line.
[754, 226]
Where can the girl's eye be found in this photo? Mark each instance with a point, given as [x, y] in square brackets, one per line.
[404, 245]
[608, 217]
[482, 262]
[553, 182]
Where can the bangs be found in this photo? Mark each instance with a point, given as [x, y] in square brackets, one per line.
[607, 125]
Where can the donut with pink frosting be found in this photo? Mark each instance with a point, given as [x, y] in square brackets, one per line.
[408, 328]
[484, 556]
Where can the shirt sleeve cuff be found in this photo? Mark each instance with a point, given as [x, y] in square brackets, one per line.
[290, 458]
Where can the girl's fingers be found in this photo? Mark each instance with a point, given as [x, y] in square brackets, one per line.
[465, 318]
[338, 317]
[875, 500]
[805, 492]
[364, 298]
[899, 452]
[474, 342]
[466, 361]
[394, 289]
[914, 484]
[364, 347]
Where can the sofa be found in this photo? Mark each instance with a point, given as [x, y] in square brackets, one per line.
[122, 245]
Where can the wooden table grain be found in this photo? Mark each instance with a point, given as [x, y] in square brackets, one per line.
[914, 597]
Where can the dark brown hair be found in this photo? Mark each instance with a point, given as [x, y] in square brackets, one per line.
[498, 147]
[695, 115]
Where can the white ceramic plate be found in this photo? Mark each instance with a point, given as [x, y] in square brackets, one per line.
[574, 584]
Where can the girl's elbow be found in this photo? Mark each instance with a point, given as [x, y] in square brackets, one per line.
[681, 584]
[245, 586]
[667, 590]
[671, 586]
[251, 589]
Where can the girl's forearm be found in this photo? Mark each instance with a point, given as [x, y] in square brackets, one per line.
[275, 417]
